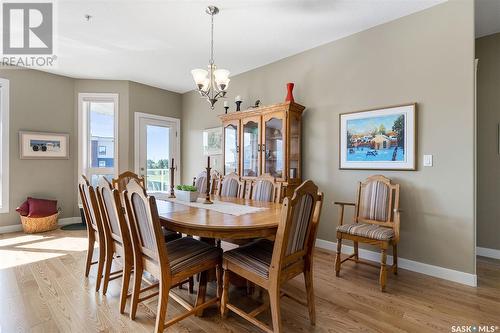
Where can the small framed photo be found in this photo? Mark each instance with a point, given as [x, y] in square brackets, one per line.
[43, 145]
[212, 141]
[379, 139]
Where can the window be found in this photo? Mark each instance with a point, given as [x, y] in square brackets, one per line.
[4, 146]
[98, 139]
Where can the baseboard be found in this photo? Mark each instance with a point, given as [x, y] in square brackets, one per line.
[19, 227]
[489, 253]
[411, 265]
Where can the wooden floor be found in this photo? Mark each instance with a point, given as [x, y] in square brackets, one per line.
[48, 293]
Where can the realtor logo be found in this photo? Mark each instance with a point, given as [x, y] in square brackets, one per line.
[27, 28]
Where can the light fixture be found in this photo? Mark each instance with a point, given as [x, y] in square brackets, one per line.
[211, 84]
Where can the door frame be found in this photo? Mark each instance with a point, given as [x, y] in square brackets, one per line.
[141, 115]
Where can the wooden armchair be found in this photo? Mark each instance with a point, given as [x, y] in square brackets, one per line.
[171, 263]
[270, 264]
[124, 178]
[265, 188]
[376, 222]
[231, 186]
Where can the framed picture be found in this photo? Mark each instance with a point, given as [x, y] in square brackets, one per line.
[43, 145]
[379, 139]
[212, 141]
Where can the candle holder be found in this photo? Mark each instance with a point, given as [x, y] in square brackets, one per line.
[207, 193]
[238, 104]
[226, 108]
[172, 170]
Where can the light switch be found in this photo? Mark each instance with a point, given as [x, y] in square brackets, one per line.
[428, 160]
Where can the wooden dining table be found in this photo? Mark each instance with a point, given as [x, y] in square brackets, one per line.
[207, 223]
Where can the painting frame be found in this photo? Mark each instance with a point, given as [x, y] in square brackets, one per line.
[29, 139]
[212, 141]
[409, 148]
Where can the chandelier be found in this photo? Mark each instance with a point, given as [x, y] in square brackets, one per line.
[212, 84]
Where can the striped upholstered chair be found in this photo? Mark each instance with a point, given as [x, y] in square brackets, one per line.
[171, 263]
[231, 186]
[265, 188]
[376, 222]
[270, 264]
[200, 181]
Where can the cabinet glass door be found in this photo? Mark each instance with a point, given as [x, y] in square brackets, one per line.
[230, 149]
[273, 149]
[251, 149]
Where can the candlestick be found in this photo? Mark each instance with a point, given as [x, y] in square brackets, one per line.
[226, 108]
[226, 104]
[237, 98]
[238, 104]
[207, 194]
[172, 170]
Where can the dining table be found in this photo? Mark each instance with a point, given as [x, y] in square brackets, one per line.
[206, 221]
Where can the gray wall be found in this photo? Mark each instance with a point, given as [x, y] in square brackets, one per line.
[488, 158]
[41, 101]
[426, 58]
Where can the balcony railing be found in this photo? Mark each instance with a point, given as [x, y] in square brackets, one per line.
[158, 179]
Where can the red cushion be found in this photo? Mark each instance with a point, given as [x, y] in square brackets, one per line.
[24, 209]
[41, 207]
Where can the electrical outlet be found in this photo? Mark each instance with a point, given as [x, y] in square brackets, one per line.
[427, 160]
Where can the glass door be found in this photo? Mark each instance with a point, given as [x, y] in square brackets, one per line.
[231, 147]
[273, 147]
[251, 147]
[157, 146]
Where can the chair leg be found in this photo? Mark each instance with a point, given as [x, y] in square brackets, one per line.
[308, 278]
[225, 294]
[395, 259]
[90, 253]
[274, 301]
[356, 251]
[191, 285]
[127, 269]
[218, 273]
[338, 258]
[100, 266]
[107, 271]
[383, 269]
[202, 291]
[161, 311]
[135, 291]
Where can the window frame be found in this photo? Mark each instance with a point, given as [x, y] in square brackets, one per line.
[4, 144]
[84, 134]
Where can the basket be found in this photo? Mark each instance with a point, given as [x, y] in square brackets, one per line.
[33, 225]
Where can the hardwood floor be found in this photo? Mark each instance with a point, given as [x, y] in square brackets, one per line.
[48, 293]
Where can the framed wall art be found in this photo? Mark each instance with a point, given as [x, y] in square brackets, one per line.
[43, 145]
[379, 139]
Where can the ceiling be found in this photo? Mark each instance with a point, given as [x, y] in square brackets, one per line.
[487, 19]
[158, 42]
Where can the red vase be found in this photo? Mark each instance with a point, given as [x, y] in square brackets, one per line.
[289, 95]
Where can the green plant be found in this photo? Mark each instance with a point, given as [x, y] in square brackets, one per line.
[189, 188]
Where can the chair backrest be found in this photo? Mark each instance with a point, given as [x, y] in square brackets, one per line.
[124, 178]
[265, 188]
[113, 215]
[200, 181]
[298, 225]
[91, 207]
[377, 200]
[147, 237]
[231, 186]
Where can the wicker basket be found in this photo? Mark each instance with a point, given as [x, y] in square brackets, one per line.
[33, 225]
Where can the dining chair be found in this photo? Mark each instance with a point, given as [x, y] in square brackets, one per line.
[118, 239]
[231, 185]
[95, 229]
[200, 181]
[376, 222]
[171, 263]
[270, 264]
[120, 183]
[265, 188]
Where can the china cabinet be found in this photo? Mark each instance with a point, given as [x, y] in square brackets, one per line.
[264, 140]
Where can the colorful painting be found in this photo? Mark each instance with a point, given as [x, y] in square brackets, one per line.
[41, 145]
[378, 139]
